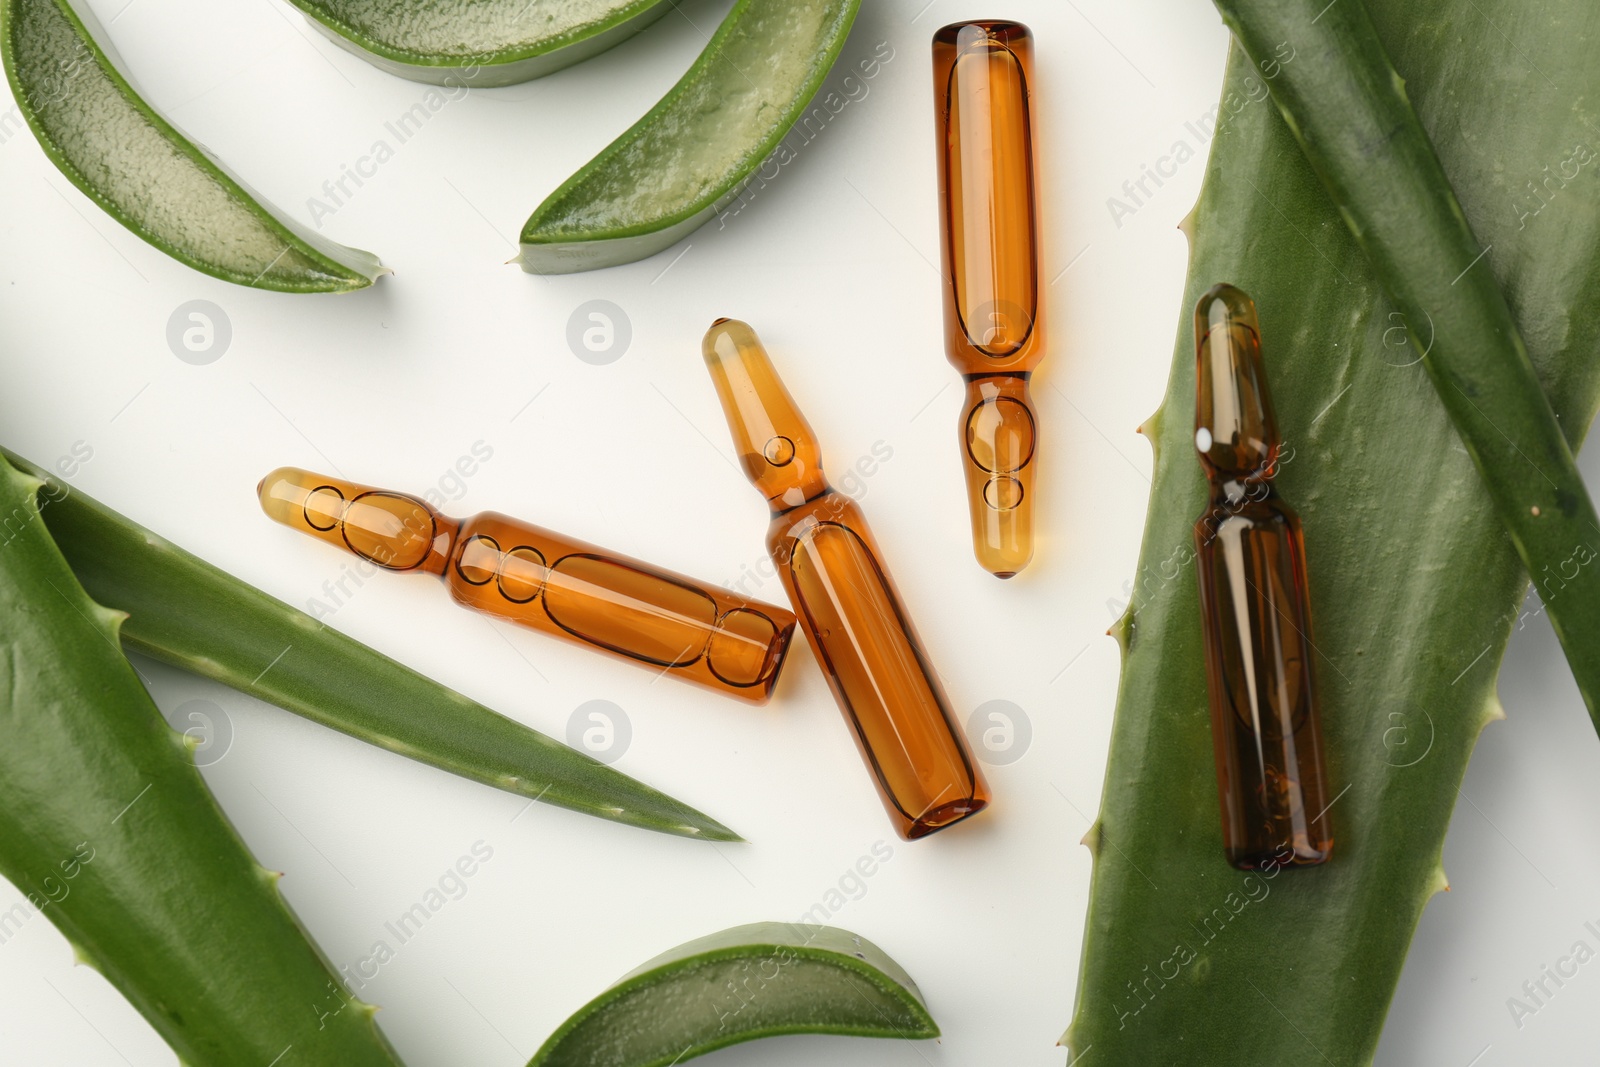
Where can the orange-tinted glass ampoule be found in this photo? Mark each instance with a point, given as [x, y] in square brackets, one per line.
[1255, 613]
[548, 582]
[835, 577]
[981, 77]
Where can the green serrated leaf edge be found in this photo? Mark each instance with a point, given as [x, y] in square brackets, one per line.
[109, 830]
[1415, 587]
[182, 610]
[1348, 109]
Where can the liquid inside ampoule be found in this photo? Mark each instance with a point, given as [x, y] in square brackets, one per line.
[1255, 611]
[993, 337]
[834, 574]
[545, 581]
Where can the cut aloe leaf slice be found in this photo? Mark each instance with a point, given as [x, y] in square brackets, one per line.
[478, 42]
[689, 157]
[72, 88]
[761, 980]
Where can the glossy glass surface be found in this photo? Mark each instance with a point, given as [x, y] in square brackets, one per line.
[981, 74]
[834, 574]
[547, 582]
[1255, 612]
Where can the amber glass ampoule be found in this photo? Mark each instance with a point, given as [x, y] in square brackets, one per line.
[1255, 613]
[548, 582]
[835, 577]
[981, 77]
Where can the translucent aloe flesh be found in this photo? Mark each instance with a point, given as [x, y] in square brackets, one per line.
[674, 169]
[750, 982]
[479, 42]
[183, 611]
[108, 829]
[143, 171]
[1415, 586]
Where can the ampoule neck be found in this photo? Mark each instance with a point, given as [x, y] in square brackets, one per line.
[1236, 431]
[1234, 493]
[776, 446]
[795, 498]
[447, 530]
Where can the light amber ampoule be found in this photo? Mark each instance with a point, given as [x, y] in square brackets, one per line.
[981, 77]
[835, 577]
[548, 582]
[1255, 613]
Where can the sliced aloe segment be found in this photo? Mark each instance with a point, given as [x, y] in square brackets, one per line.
[761, 980]
[689, 157]
[71, 86]
[478, 42]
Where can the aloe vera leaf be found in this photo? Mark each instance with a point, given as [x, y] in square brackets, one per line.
[182, 610]
[1414, 585]
[1347, 107]
[136, 165]
[478, 42]
[755, 981]
[691, 154]
[109, 830]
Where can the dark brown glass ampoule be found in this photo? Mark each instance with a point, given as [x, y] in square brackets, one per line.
[834, 574]
[554, 584]
[983, 104]
[1255, 613]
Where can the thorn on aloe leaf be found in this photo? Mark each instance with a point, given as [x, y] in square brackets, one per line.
[1186, 225]
[1122, 630]
[1150, 430]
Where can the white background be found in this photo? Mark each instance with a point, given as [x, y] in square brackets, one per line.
[832, 266]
